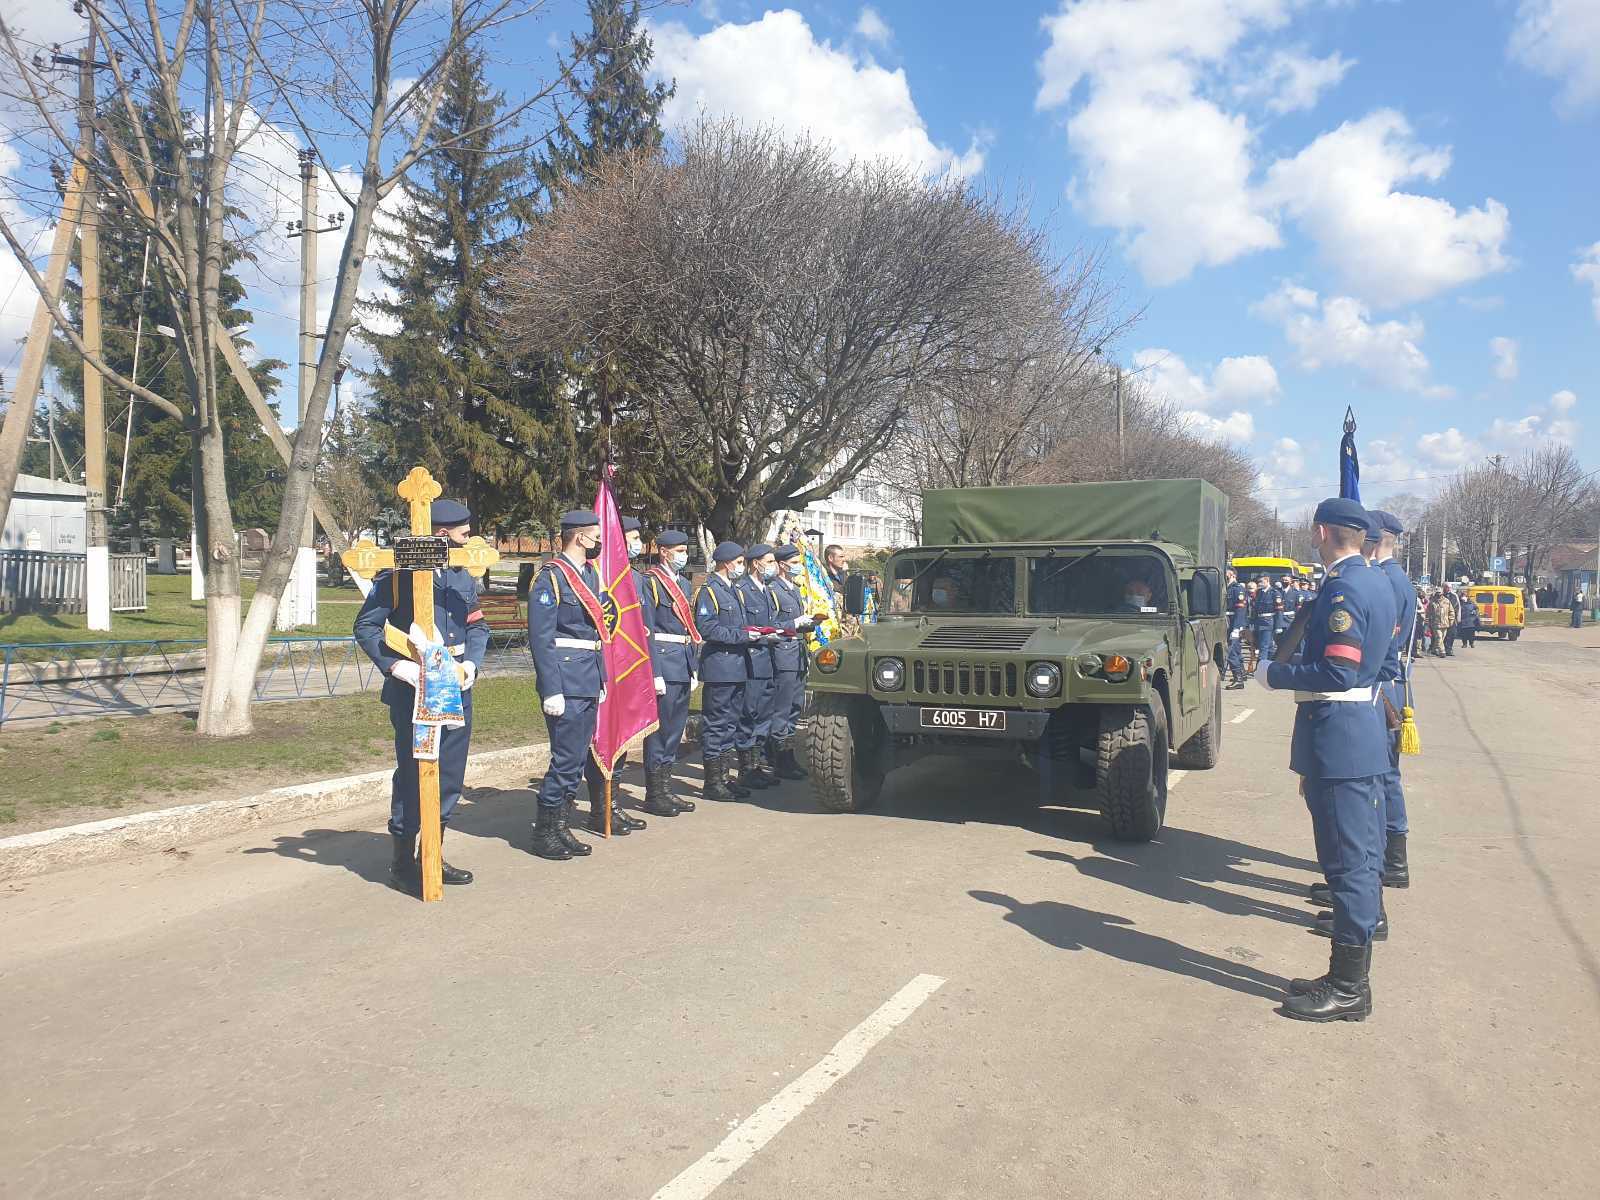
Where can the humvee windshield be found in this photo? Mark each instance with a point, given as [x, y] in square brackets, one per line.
[1112, 583]
[953, 584]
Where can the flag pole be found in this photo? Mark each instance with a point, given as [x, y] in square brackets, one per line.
[605, 482]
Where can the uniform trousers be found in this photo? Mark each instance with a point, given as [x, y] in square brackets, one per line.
[788, 698]
[755, 721]
[672, 713]
[405, 805]
[1394, 795]
[1347, 825]
[570, 737]
[720, 707]
[1236, 652]
[1265, 642]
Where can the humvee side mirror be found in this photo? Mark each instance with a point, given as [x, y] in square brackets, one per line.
[855, 594]
[1205, 592]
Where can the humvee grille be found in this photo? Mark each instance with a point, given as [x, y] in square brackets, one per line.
[978, 637]
[950, 677]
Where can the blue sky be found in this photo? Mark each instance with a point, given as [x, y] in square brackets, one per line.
[1315, 203]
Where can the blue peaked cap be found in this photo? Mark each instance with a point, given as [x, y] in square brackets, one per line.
[727, 552]
[444, 513]
[1336, 510]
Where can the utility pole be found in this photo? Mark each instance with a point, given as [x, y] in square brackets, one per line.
[1122, 449]
[299, 604]
[1494, 519]
[1444, 553]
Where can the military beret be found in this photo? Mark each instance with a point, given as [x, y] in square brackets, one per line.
[631, 525]
[672, 537]
[727, 552]
[1338, 511]
[786, 551]
[1388, 521]
[577, 518]
[758, 550]
[444, 513]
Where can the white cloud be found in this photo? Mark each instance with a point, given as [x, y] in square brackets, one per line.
[1450, 449]
[1587, 270]
[1234, 382]
[1292, 81]
[774, 71]
[1235, 427]
[44, 22]
[1339, 332]
[1287, 457]
[1561, 39]
[1387, 246]
[1145, 124]
[873, 27]
[1504, 351]
[1553, 421]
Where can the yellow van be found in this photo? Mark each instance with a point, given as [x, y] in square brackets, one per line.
[1254, 567]
[1499, 610]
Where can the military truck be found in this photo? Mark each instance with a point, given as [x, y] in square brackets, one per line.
[1078, 628]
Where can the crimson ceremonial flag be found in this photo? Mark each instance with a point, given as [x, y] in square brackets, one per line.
[629, 707]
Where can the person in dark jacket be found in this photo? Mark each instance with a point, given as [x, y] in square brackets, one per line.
[724, 668]
[1469, 622]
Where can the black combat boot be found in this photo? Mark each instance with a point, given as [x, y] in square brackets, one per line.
[564, 830]
[1343, 994]
[750, 776]
[1380, 934]
[621, 823]
[1396, 869]
[670, 792]
[787, 767]
[657, 800]
[448, 873]
[404, 872]
[547, 842]
[716, 786]
[731, 772]
[1319, 894]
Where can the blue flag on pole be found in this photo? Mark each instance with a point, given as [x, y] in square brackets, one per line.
[1349, 462]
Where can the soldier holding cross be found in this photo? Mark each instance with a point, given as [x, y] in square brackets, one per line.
[383, 629]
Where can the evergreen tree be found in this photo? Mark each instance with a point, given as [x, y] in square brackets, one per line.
[477, 412]
[157, 497]
[620, 111]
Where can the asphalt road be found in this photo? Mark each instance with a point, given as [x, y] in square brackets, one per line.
[960, 995]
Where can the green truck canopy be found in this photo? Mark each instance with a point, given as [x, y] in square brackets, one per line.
[1189, 512]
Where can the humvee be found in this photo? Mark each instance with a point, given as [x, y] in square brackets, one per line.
[1078, 628]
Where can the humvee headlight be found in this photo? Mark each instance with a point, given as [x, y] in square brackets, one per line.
[1116, 668]
[1089, 665]
[889, 674]
[1044, 680]
[828, 659]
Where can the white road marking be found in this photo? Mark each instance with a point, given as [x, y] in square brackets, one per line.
[1242, 717]
[1174, 778]
[761, 1126]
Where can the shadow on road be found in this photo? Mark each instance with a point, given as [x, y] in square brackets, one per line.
[1170, 877]
[1069, 927]
[360, 851]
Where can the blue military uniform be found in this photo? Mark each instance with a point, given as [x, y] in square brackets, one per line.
[755, 722]
[789, 667]
[1264, 614]
[1392, 679]
[564, 641]
[677, 665]
[1340, 749]
[724, 672]
[1238, 621]
[461, 625]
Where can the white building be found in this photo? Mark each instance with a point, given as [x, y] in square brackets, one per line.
[858, 518]
[46, 514]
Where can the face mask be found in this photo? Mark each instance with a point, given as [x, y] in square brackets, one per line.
[1135, 599]
[941, 596]
[769, 573]
[634, 552]
[797, 570]
[738, 571]
[680, 559]
[592, 551]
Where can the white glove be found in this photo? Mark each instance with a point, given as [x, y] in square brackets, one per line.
[661, 686]
[753, 635]
[1261, 672]
[418, 638]
[602, 695]
[804, 622]
[694, 682]
[1235, 634]
[555, 706]
[407, 673]
[469, 671]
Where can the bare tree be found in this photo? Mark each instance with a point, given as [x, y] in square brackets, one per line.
[772, 314]
[193, 84]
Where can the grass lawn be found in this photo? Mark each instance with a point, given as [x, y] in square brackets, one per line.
[1554, 616]
[84, 770]
[171, 615]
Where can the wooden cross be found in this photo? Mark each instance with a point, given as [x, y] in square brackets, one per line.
[420, 555]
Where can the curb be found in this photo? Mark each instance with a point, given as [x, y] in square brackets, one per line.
[100, 841]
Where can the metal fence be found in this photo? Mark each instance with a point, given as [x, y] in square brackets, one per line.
[41, 581]
[55, 681]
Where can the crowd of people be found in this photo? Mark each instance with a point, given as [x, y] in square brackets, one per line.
[1443, 616]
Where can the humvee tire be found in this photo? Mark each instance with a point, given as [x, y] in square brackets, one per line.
[1131, 770]
[844, 757]
[1204, 747]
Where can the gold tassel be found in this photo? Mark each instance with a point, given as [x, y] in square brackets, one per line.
[1410, 740]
